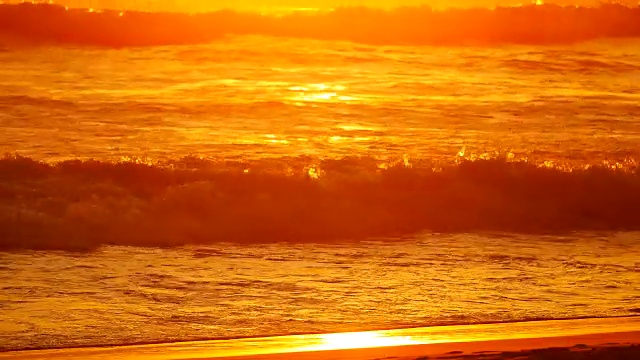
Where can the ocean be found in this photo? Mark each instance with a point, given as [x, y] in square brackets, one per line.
[268, 185]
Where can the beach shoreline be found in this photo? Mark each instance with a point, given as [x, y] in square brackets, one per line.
[597, 337]
[600, 346]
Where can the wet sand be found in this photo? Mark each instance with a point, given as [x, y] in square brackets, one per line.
[578, 352]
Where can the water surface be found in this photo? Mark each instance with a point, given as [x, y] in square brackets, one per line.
[207, 157]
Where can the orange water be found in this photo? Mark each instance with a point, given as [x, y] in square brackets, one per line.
[401, 342]
[124, 295]
[256, 141]
[253, 98]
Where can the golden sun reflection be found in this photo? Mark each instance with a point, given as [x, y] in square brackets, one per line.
[314, 172]
[311, 93]
[296, 345]
[361, 340]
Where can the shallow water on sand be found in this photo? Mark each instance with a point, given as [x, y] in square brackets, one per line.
[120, 295]
[475, 341]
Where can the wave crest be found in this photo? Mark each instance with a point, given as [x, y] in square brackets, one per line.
[85, 204]
[544, 24]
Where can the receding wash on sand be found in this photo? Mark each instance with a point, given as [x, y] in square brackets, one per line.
[572, 339]
[319, 179]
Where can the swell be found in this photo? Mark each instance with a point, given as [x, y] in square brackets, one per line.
[81, 205]
[545, 24]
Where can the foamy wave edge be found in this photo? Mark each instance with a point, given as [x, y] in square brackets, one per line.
[81, 205]
[544, 24]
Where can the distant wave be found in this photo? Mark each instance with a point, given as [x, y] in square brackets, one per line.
[80, 205]
[544, 24]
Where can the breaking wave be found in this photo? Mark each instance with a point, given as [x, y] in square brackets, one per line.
[544, 24]
[80, 205]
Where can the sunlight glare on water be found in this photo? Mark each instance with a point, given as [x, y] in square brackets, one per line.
[299, 346]
[429, 102]
[361, 340]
